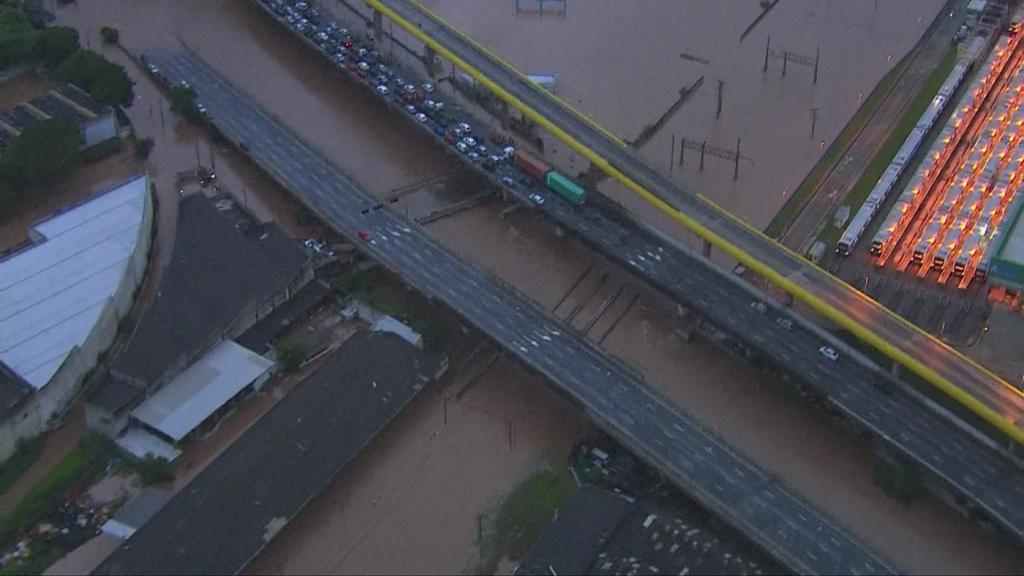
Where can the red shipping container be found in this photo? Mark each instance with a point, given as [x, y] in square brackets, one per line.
[531, 165]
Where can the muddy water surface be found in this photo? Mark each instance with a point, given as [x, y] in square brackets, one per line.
[607, 42]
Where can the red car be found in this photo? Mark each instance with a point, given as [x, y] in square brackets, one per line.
[497, 139]
[364, 236]
[449, 138]
[361, 73]
[352, 66]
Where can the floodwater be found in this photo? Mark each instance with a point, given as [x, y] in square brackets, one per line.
[411, 504]
[382, 153]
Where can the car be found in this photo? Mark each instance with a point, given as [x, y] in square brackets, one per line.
[508, 152]
[361, 73]
[439, 106]
[352, 66]
[363, 65]
[364, 236]
[489, 165]
[759, 306]
[428, 88]
[409, 89]
[526, 180]
[470, 141]
[829, 352]
[153, 69]
[449, 138]
[348, 45]
[410, 108]
[537, 199]
[362, 52]
[508, 181]
[461, 147]
[202, 110]
[482, 150]
[382, 90]
[495, 158]
[421, 117]
[473, 156]
[439, 130]
[497, 139]
[428, 104]
[784, 323]
[184, 84]
[465, 127]
[459, 133]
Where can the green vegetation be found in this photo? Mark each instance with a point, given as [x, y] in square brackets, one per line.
[899, 481]
[291, 355]
[110, 34]
[55, 44]
[388, 297]
[835, 152]
[106, 82]
[153, 469]
[183, 101]
[41, 559]
[523, 518]
[874, 170]
[26, 454]
[143, 147]
[43, 154]
[17, 37]
[47, 494]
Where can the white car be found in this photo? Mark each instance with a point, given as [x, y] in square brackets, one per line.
[461, 147]
[537, 199]
[474, 156]
[829, 352]
[421, 117]
[363, 65]
[428, 104]
[382, 90]
[410, 108]
[759, 306]
[409, 89]
[470, 141]
[785, 323]
[428, 88]
[465, 127]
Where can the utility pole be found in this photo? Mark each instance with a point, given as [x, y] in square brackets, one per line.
[718, 112]
[814, 120]
[767, 52]
[736, 166]
[672, 155]
[817, 57]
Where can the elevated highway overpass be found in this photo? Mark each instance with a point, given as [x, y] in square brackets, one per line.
[725, 482]
[969, 468]
[977, 389]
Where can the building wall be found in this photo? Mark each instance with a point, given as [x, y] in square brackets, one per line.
[99, 130]
[47, 406]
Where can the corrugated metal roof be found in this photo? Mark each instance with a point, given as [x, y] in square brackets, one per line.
[51, 294]
[183, 404]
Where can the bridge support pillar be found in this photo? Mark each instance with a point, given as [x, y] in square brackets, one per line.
[504, 115]
[430, 62]
[788, 300]
[706, 249]
[378, 26]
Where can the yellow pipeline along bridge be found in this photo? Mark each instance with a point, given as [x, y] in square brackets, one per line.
[977, 389]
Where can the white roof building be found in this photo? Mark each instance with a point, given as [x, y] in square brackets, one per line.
[198, 392]
[53, 293]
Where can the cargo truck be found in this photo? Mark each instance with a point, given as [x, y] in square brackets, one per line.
[566, 188]
[531, 165]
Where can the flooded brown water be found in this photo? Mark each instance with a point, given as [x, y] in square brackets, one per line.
[382, 153]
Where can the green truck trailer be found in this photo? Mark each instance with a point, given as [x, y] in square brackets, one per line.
[566, 188]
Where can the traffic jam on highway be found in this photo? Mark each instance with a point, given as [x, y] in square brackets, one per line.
[507, 167]
[495, 155]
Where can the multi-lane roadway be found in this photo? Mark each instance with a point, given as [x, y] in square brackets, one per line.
[975, 472]
[976, 388]
[725, 482]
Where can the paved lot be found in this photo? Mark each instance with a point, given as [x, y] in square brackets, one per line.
[700, 463]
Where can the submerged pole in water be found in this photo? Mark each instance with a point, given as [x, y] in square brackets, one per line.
[672, 155]
[767, 50]
[736, 166]
[817, 56]
[721, 84]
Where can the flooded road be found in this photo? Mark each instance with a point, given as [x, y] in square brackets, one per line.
[381, 152]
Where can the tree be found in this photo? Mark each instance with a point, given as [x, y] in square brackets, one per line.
[110, 34]
[153, 469]
[106, 82]
[55, 44]
[143, 146]
[183, 101]
[17, 37]
[45, 153]
[291, 355]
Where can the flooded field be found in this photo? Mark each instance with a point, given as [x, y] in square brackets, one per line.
[770, 114]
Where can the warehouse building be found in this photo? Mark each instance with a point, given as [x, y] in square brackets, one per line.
[61, 298]
[182, 367]
[96, 123]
